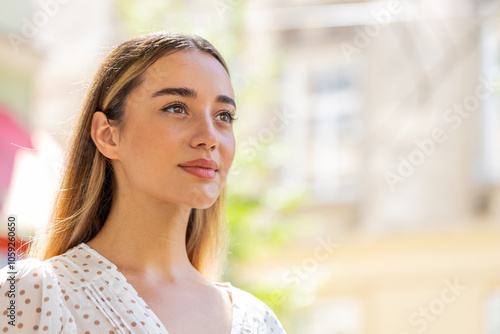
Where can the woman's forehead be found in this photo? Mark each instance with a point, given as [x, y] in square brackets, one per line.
[187, 66]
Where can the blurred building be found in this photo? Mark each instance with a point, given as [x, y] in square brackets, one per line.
[395, 133]
[386, 114]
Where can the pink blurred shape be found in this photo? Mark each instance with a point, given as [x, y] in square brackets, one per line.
[13, 137]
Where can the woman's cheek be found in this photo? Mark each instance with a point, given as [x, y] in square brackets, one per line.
[231, 147]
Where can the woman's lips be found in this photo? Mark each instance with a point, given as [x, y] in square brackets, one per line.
[204, 173]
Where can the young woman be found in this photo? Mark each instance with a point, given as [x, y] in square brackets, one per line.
[135, 241]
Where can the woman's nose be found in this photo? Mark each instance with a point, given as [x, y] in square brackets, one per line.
[205, 134]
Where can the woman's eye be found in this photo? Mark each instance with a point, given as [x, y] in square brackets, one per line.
[175, 108]
[226, 117]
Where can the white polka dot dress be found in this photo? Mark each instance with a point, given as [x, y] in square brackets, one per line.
[80, 291]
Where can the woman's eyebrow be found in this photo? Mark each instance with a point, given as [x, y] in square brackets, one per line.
[225, 99]
[191, 93]
[181, 91]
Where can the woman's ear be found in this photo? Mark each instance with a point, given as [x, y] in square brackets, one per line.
[104, 135]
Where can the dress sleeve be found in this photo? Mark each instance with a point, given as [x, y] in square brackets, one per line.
[271, 320]
[257, 315]
[31, 300]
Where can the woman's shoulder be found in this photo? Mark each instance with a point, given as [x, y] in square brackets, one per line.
[252, 311]
[33, 270]
[32, 297]
[28, 281]
[26, 270]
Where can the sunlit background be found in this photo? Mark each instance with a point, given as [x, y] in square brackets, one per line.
[365, 192]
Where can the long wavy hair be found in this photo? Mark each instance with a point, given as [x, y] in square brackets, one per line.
[85, 193]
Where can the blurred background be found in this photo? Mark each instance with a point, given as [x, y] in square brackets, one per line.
[365, 192]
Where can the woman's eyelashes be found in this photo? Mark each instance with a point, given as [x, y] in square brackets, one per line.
[179, 108]
[231, 117]
[175, 107]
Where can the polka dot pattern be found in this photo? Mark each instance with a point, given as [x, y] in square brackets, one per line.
[38, 299]
[81, 289]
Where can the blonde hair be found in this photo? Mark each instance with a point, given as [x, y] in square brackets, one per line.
[85, 193]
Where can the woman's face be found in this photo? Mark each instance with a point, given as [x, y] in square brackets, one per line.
[180, 112]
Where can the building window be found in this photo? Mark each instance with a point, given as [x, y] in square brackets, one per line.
[335, 130]
[488, 173]
[492, 314]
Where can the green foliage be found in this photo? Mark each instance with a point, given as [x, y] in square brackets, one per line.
[261, 226]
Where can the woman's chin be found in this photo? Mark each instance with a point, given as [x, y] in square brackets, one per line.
[204, 205]
[201, 203]
[203, 199]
